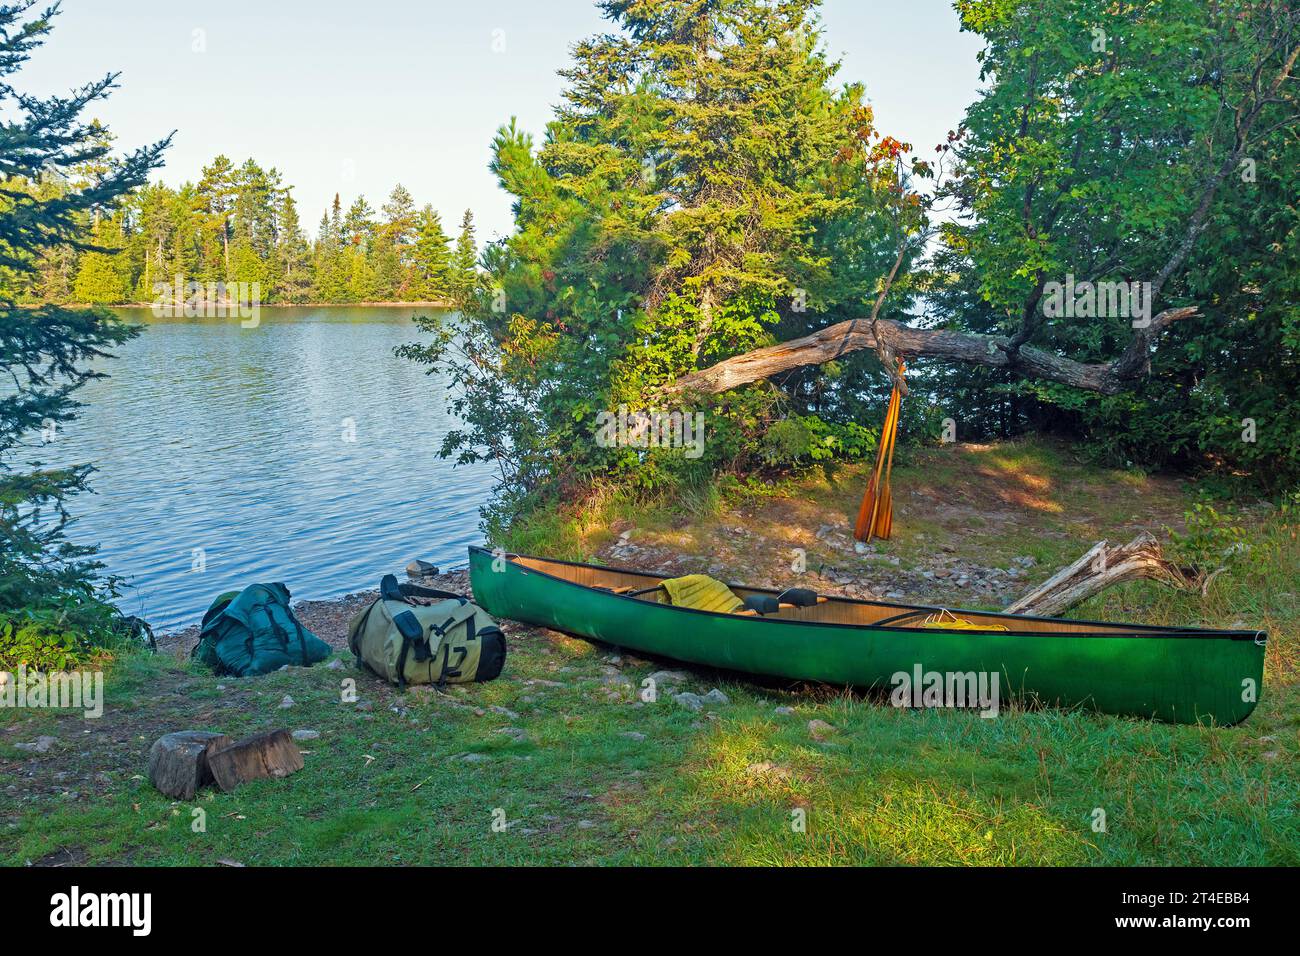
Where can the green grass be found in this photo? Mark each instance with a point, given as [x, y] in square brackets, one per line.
[722, 787]
[887, 786]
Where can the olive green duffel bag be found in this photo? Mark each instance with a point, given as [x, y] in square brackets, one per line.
[419, 635]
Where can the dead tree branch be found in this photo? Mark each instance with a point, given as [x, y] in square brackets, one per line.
[1103, 567]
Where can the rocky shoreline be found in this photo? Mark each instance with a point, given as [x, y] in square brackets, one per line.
[840, 566]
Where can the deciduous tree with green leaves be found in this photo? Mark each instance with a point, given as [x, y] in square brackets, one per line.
[1149, 145]
[1140, 144]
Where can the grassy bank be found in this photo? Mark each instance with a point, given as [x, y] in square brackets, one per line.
[581, 770]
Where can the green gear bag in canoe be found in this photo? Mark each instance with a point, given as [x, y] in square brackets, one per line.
[253, 632]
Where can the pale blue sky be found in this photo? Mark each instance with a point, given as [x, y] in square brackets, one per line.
[354, 97]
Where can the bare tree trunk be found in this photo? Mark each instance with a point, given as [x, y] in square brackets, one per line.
[1104, 566]
[887, 356]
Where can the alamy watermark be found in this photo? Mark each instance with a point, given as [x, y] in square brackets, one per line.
[71, 690]
[922, 689]
[208, 300]
[656, 428]
[1102, 300]
[75, 909]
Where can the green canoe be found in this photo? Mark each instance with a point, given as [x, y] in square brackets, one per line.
[1176, 674]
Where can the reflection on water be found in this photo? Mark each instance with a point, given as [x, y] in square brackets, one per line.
[300, 451]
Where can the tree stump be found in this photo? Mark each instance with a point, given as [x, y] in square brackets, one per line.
[1103, 566]
[272, 754]
[179, 762]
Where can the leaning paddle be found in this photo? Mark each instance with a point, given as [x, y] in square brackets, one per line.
[876, 513]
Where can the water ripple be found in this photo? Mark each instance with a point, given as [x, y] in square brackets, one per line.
[234, 443]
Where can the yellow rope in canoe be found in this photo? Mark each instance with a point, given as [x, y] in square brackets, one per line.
[948, 621]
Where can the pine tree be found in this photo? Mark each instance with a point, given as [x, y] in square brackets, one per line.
[392, 251]
[252, 210]
[432, 265]
[703, 184]
[332, 274]
[294, 255]
[248, 266]
[44, 351]
[187, 235]
[238, 223]
[399, 216]
[154, 246]
[56, 267]
[363, 282]
[336, 219]
[464, 278]
[359, 224]
[216, 190]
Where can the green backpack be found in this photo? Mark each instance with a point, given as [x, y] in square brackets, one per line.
[419, 635]
[253, 632]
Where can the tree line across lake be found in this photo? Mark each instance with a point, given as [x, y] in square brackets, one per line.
[240, 223]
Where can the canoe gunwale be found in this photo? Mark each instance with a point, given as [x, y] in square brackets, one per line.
[1258, 637]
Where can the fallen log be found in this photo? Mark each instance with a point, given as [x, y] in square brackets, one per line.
[1104, 566]
[909, 343]
[179, 762]
[272, 754]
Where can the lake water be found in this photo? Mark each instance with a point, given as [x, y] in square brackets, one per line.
[300, 451]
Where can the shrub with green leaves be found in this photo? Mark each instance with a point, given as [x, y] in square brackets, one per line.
[807, 439]
[1210, 539]
[42, 645]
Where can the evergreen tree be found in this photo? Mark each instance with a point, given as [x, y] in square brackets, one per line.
[44, 351]
[187, 237]
[464, 277]
[359, 224]
[696, 185]
[216, 192]
[363, 281]
[156, 244]
[358, 241]
[331, 272]
[392, 249]
[294, 255]
[248, 265]
[55, 266]
[432, 258]
[238, 223]
[399, 216]
[56, 271]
